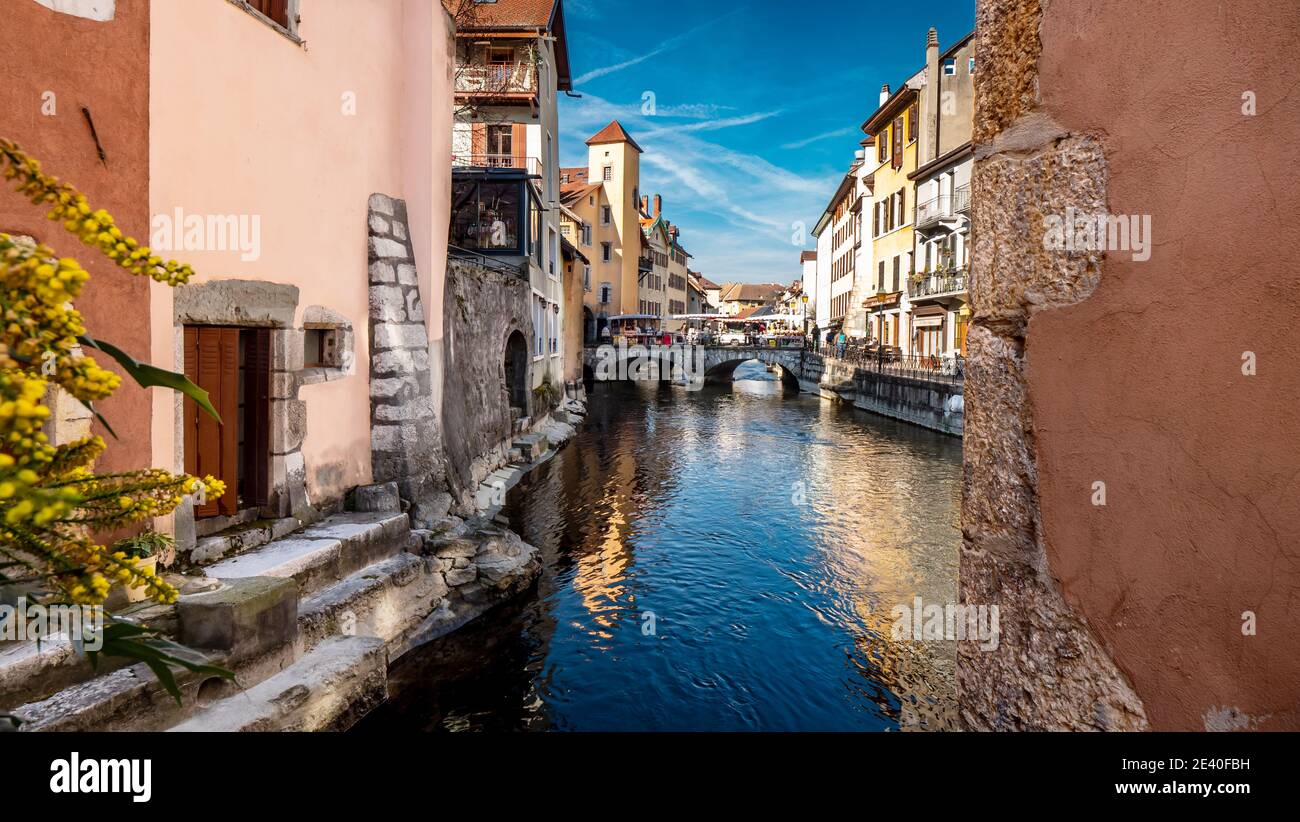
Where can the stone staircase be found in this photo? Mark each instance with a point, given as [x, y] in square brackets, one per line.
[309, 620]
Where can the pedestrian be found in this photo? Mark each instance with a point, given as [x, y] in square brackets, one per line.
[840, 342]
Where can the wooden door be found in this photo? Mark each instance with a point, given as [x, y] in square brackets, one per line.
[211, 448]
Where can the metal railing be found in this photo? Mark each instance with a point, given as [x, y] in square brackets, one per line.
[531, 165]
[948, 367]
[961, 199]
[489, 262]
[933, 210]
[937, 283]
[506, 78]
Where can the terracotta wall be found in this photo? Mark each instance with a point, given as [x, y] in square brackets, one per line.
[103, 67]
[1092, 367]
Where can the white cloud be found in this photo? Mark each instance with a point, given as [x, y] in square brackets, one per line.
[817, 138]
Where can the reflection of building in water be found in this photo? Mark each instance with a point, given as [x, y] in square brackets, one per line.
[871, 540]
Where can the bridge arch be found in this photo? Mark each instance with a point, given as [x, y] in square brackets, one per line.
[724, 371]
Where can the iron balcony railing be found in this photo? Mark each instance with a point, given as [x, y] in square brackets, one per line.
[532, 166]
[933, 210]
[937, 284]
[961, 199]
[489, 262]
[505, 78]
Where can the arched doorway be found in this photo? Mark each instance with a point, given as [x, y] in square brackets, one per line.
[516, 371]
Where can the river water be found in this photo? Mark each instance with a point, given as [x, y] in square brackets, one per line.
[727, 559]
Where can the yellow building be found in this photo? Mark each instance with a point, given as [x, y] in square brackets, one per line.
[895, 126]
[605, 197]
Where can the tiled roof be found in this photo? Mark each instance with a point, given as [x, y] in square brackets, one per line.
[509, 13]
[577, 174]
[572, 193]
[808, 256]
[751, 292]
[613, 133]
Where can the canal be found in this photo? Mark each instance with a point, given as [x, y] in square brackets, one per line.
[727, 559]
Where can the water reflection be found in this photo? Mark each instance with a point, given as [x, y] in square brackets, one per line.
[719, 560]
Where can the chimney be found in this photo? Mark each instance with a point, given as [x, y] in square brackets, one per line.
[931, 97]
[659, 206]
[645, 204]
[884, 93]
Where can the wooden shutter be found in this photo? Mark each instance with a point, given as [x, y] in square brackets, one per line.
[277, 10]
[897, 160]
[257, 417]
[913, 122]
[212, 362]
[477, 140]
[882, 145]
[519, 145]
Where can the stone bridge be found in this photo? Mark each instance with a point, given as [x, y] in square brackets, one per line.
[713, 362]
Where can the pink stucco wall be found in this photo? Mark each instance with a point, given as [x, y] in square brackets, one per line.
[245, 121]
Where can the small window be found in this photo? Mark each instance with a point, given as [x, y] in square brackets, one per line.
[606, 252]
[950, 66]
[321, 348]
[882, 145]
[913, 123]
[606, 215]
[608, 173]
[970, 66]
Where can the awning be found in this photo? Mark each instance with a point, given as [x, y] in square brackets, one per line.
[933, 310]
[634, 317]
[882, 300]
[934, 321]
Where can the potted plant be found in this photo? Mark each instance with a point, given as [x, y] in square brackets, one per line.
[145, 547]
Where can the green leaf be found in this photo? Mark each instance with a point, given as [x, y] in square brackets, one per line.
[149, 376]
[102, 420]
[132, 641]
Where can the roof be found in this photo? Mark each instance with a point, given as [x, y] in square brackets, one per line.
[614, 133]
[519, 15]
[574, 174]
[750, 292]
[807, 256]
[572, 250]
[897, 102]
[571, 194]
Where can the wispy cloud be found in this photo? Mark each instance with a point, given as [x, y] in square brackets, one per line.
[715, 125]
[817, 138]
[667, 45]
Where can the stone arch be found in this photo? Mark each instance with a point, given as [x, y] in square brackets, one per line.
[724, 371]
[515, 360]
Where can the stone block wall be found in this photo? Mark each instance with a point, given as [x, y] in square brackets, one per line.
[405, 441]
[482, 308]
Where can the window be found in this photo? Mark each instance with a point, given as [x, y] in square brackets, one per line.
[606, 215]
[606, 252]
[554, 247]
[882, 146]
[880, 281]
[970, 66]
[500, 145]
[586, 234]
[896, 148]
[321, 348]
[486, 215]
[913, 123]
[500, 55]
[898, 260]
[605, 289]
[586, 278]
[608, 174]
[539, 329]
[950, 66]
[277, 11]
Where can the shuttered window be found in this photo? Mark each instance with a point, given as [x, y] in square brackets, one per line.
[897, 146]
[277, 10]
[913, 123]
[234, 367]
[882, 146]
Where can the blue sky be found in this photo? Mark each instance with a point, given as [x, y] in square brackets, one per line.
[757, 108]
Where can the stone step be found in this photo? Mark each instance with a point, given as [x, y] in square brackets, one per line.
[324, 553]
[327, 689]
[531, 446]
[385, 600]
[240, 539]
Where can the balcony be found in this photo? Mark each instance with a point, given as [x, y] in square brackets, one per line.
[933, 210]
[494, 80]
[531, 166]
[961, 200]
[937, 284]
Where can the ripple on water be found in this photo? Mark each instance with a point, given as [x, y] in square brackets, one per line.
[719, 560]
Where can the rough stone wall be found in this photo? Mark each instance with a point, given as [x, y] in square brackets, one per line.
[1049, 671]
[481, 309]
[405, 442]
[1106, 367]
